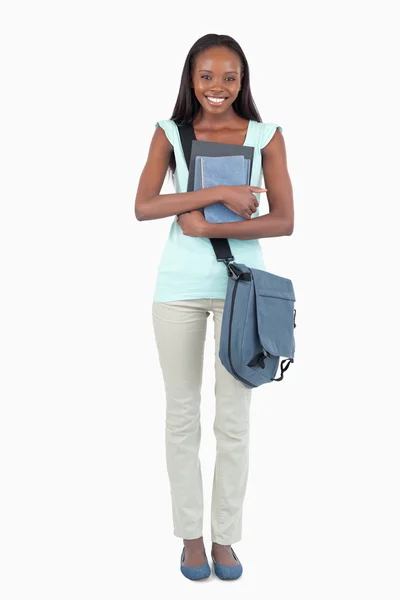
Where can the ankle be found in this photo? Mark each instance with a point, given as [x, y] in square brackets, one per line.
[215, 544]
[194, 544]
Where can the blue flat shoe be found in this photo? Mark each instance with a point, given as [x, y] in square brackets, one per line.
[226, 571]
[200, 572]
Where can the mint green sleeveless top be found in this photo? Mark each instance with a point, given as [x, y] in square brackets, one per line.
[188, 268]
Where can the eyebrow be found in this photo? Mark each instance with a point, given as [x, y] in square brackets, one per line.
[207, 71]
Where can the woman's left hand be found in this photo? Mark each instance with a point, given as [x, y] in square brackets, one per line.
[193, 223]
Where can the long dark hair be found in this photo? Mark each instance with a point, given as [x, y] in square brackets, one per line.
[187, 106]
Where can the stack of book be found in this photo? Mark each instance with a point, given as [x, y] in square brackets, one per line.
[213, 164]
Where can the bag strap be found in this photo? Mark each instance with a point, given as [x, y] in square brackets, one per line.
[284, 367]
[221, 246]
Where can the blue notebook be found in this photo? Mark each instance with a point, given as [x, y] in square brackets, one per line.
[199, 148]
[211, 171]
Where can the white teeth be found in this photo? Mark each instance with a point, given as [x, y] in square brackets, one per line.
[216, 100]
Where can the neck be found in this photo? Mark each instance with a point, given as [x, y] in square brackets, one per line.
[214, 121]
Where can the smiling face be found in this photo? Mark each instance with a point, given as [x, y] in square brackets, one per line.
[216, 79]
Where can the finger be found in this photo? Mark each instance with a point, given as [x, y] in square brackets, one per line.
[257, 189]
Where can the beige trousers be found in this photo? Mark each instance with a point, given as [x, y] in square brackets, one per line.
[180, 332]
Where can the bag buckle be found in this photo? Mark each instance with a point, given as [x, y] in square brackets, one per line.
[233, 272]
[226, 260]
[259, 359]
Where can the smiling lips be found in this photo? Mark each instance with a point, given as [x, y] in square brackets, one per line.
[215, 101]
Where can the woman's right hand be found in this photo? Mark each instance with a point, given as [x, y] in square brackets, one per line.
[241, 199]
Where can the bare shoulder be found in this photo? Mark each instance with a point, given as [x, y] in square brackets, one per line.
[276, 145]
[160, 138]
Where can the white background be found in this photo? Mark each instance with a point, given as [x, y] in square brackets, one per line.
[85, 506]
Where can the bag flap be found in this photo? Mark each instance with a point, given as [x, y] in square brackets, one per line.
[269, 284]
[274, 305]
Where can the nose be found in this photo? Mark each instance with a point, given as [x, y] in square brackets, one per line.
[218, 89]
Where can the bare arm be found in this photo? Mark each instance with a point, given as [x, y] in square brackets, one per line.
[149, 203]
[280, 220]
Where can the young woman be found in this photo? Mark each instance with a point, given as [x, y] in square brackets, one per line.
[215, 97]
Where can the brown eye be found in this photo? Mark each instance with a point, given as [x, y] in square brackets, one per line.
[232, 78]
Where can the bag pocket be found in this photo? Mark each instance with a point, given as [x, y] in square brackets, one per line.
[275, 322]
[274, 304]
